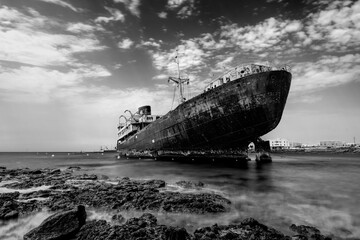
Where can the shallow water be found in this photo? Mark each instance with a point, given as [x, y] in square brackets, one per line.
[312, 189]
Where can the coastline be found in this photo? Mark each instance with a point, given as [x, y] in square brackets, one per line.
[30, 191]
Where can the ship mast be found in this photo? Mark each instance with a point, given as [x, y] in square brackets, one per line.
[178, 80]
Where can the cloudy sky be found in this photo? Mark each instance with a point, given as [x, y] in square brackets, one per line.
[68, 69]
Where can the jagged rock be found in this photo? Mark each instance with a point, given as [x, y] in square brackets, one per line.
[8, 206]
[307, 233]
[247, 229]
[36, 171]
[36, 194]
[55, 171]
[87, 177]
[190, 184]
[144, 227]
[63, 225]
[137, 195]
[74, 168]
[155, 183]
[195, 203]
[118, 218]
[10, 215]
[95, 230]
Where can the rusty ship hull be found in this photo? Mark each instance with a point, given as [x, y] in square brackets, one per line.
[227, 117]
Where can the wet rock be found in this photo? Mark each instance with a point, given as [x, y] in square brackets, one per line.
[137, 195]
[36, 194]
[74, 168]
[63, 225]
[307, 233]
[190, 184]
[247, 229]
[144, 227]
[8, 206]
[55, 171]
[11, 214]
[104, 177]
[87, 177]
[9, 196]
[68, 190]
[195, 203]
[36, 171]
[155, 183]
[95, 230]
[29, 207]
[118, 219]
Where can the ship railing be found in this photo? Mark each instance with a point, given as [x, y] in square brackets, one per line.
[126, 130]
[149, 118]
[242, 71]
[235, 73]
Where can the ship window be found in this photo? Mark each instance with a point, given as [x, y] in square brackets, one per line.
[242, 71]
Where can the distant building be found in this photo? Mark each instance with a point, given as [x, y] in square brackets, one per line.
[332, 144]
[295, 145]
[279, 143]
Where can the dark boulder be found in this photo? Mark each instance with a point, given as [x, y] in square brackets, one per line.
[118, 218]
[247, 229]
[95, 230]
[74, 168]
[87, 177]
[142, 228]
[190, 184]
[8, 206]
[62, 225]
[307, 233]
[155, 183]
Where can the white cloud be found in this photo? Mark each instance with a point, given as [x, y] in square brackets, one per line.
[337, 27]
[38, 84]
[184, 8]
[126, 43]
[83, 28]
[260, 37]
[116, 15]
[131, 5]
[40, 54]
[162, 15]
[160, 77]
[328, 71]
[118, 66]
[151, 43]
[63, 4]
[23, 40]
[191, 57]
[293, 26]
[225, 63]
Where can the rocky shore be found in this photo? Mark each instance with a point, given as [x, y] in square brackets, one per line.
[67, 193]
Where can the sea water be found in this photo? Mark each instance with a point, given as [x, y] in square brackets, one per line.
[320, 190]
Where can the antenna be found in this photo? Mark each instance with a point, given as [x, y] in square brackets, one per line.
[179, 81]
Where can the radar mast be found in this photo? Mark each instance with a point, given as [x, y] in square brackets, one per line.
[178, 80]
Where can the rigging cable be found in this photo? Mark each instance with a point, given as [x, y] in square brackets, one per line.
[173, 98]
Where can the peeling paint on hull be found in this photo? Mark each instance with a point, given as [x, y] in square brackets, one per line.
[229, 116]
